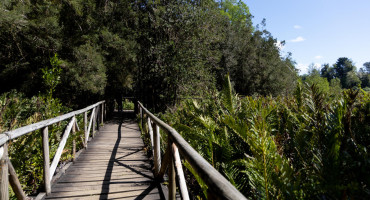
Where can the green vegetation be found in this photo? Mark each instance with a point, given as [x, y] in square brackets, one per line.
[288, 137]
[25, 152]
[300, 146]
[155, 51]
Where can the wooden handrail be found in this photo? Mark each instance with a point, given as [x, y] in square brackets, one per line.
[5, 163]
[218, 186]
[9, 135]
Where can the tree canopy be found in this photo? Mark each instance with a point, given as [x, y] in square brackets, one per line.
[156, 51]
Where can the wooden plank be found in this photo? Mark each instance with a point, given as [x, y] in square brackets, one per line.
[62, 143]
[114, 166]
[46, 157]
[14, 182]
[180, 173]
[4, 179]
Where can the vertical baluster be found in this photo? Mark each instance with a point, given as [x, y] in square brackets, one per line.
[157, 148]
[171, 173]
[4, 187]
[46, 155]
[85, 129]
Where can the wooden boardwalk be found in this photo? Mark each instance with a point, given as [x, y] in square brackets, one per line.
[113, 167]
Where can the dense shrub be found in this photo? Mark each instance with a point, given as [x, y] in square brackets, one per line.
[302, 146]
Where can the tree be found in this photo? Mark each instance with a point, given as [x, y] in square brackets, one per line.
[367, 67]
[364, 75]
[341, 69]
[315, 78]
[327, 72]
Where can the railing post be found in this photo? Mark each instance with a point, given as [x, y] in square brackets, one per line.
[150, 131]
[102, 113]
[171, 174]
[85, 129]
[94, 122]
[142, 118]
[97, 118]
[4, 187]
[46, 155]
[180, 173]
[105, 111]
[74, 141]
[157, 148]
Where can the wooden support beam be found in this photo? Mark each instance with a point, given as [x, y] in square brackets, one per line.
[46, 157]
[62, 143]
[165, 162]
[14, 182]
[4, 178]
[76, 125]
[180, 173]
[157, 149]
[88, 130]
[171, 176]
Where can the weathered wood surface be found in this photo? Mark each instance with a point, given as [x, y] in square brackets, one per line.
[113, 167]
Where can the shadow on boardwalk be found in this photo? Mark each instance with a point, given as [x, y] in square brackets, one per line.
[114, 166]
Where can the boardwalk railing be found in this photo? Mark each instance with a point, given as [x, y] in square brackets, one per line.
[7, 172]
[218, 186]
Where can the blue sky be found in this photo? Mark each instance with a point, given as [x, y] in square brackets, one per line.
[317, 31]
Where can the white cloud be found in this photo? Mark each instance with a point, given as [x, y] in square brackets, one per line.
[279, 45]
[298, 39]
[318, 57]
[297, 26]
[303, 68]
